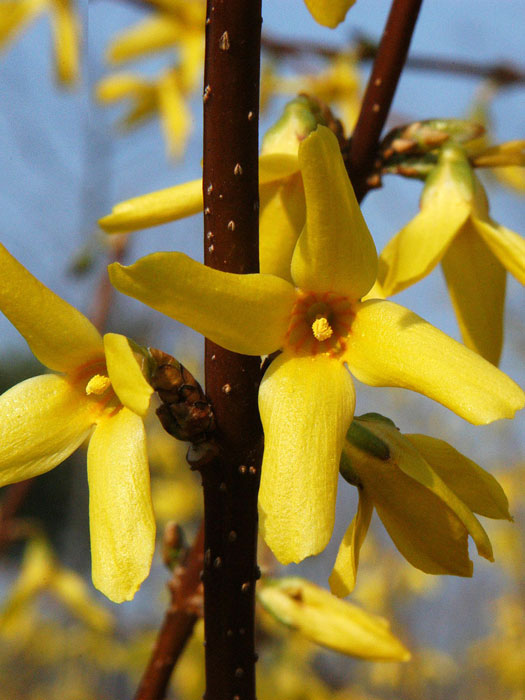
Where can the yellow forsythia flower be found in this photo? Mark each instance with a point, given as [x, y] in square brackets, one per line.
[16, 14]
[454, 228]
[330, 622]
[426, 494]
[318, 320]
[97, 384]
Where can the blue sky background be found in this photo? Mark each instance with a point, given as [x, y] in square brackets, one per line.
[63, 165]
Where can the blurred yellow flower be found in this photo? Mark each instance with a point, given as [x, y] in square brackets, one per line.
[333, 623]
[181, 28]
[426, 494]
[307, 396]
[16, 14]
[454, 228]
[42, 572]
[329, 13]
[97, 384]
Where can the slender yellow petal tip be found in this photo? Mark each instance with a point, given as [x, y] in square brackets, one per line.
[128, 371]
[155, 208]
[329, 13]
[330, 622]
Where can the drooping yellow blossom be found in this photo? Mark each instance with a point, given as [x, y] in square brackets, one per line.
[282, 205]
[454, 228]
[329, 13]
[164, 94]
[15, 15]
[181, 29]
[338, 86]
[330, 622]
[307, 398]
[41, 572]
[98, 385]
[426, 494]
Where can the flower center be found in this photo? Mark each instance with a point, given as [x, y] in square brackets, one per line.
[320, 323]
[98, 384]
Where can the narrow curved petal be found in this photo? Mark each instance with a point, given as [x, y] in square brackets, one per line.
[478, 489]
[329, 13]
[506, 245]
[335, 252]
[277, 166]
[121, 521]
[416, 250]
[343, 577]
[175, 115]
[15, 15]
[125, 370]
[155, 208]
[248, 314]
[42, 421]
[67, 37]
[60, 336]
[152, 34]
[281, 220]
[306, 406]
[389, 345]
[476, 283]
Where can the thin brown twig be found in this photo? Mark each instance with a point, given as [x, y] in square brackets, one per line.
[177, 626]
[379, 93]
[105, 292]
[9, 507]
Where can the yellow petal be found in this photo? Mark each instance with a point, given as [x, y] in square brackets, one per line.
[175, 116]
[155, 208]
[329, 13]
[67, 39]
[306, 406]
[121, 521]
[126, 371]
[335, 252]
[476, 283]
[331, 622]
[506, 245]
[42, 421]
[343, 577]
[414, 252]
[248, 314]
[277, 166]
[423, 528]
[15, 15]
[408, 459]
[478, 489]
[391, 346]
[281, 220]
[59, 335]
[152, 34]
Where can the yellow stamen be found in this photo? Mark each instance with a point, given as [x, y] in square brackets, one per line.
[98, 384]
[321, 328]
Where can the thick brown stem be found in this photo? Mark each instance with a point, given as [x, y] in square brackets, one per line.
[177, 626]
[380, 90]
[230, 185]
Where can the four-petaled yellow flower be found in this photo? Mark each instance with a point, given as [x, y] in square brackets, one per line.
[426, 494]
[16, 14]
[44, 419]
[454, 228]
[307, 395]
